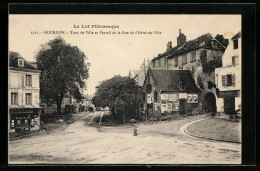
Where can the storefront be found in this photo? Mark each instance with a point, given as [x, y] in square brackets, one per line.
[229, 100]
[24, 119]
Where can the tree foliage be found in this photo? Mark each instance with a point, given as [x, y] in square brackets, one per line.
[209, 66]
[63, 70]
[117, 93]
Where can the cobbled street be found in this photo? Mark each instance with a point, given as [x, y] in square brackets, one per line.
[80, 143]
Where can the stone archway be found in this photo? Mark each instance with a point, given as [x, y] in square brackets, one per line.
[210, 102]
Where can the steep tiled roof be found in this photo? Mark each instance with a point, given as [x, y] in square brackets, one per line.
[237, 35]
[13, 61]
[203, 41]
[168, 80]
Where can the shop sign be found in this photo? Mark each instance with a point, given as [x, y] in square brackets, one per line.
[169, 105]
[30, 91]
[195, 98]
[164, 96]
[173, 97]
[190, 100]
[234, 93]
[182, 95]
[163, 108]
[163, 101]
[149, 98]
[14, 90]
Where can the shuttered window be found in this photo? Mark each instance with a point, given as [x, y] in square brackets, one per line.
[223, 80]
[228, 80]
[233, 80]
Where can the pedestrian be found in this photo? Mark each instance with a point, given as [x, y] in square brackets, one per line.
[135, 129]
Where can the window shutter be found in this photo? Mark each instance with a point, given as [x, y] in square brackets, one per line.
[233, 80]
[223, 80]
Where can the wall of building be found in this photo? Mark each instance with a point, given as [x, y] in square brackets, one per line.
[17, 84]
[230, 51]
[229, 69]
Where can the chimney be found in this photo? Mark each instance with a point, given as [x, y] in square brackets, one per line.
[181, 39]
[169, 46]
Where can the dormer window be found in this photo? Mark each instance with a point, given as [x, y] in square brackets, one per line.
[20, 62]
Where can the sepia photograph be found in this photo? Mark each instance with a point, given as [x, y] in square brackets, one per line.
[125, 89]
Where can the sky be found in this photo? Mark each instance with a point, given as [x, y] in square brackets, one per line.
[113, 53]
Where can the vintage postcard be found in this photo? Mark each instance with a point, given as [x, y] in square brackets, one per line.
[124, 89]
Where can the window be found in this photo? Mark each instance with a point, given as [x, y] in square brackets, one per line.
[228, 80]
[20, 62]
[176, 61]
[234, 60]
[14, 99]
[184, 59]
[193, 57]
[28, 81]
[235, 43]
[28, 99]
[155, 96]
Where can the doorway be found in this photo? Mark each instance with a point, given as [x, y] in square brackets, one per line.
[229, 105]
[210, 102]
[183, 106]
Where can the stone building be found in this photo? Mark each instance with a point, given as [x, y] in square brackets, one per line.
[228, 78]
[168, 91]
[198, 56]
[24, 94]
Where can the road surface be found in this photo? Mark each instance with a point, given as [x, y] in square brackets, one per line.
[80, 143]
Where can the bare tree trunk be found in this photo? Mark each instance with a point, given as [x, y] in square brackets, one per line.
[123, 115]
[58, 102]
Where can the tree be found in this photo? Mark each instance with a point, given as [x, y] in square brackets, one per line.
[118, 93]
[209, 66]
[63, 70]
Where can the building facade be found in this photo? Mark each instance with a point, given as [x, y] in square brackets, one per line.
[168, 91]
[24, 94]
[192, 55]
[228, 78]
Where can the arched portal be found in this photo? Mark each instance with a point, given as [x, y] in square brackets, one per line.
[210, 102]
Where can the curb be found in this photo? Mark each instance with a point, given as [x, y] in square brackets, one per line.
[206, 138]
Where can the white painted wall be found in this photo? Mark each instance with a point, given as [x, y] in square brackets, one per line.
[228, 68]
[17, 84]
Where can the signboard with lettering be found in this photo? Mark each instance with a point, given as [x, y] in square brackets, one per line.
[175, 105]
[195, 98]
[234, 93]
[163, 108]
[14, 90]
[182, 95]
[173, 97]
[190, 100]
[30, 91]
[169, 106]
[149, 98]
[164, 96]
